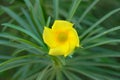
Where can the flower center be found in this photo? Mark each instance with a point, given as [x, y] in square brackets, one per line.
[62, 36]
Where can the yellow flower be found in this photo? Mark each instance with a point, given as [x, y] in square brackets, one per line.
[62, 38]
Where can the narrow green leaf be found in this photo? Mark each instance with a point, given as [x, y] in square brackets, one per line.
[63, 12]
[56, 8]
[5, 57]
[21, 21]
[32, 77]
[98, 55]
[59, 75]
[36, 70]
[102, 43]
[71, 75]
[24, 31]
[73, 9]
[28, 43]
[95, 31]
[104, 71]
[19, 61]
[36, 22]
[11, 44]
[28, 4]
[99, 73]
[87, 22]
[40, 14]
[80, 71]
[100, 76]
[43, 73]
[17, 51]
[21, 73]
[28, 18]
[34, 17]
[88, 10]
[105, 32]
[19, 46]
[52, 75]
[101, 64]
[15, 62]
[67, 75]
[76, 24]
[100, 21]
[48, 21]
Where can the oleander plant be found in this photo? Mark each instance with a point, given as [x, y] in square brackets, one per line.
[59, 40]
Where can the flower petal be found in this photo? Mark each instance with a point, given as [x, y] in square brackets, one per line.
[60, 50]
[73, 37]
[61, 24]
[49, 38]
[73, 41]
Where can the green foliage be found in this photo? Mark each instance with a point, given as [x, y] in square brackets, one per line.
[30, 59]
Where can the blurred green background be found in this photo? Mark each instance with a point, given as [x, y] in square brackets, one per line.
[102, 7]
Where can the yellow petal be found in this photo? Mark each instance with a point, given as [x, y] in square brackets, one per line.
[61, 24]
[73, 38]
[59, 50]
[73, 41]
[48, 37]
